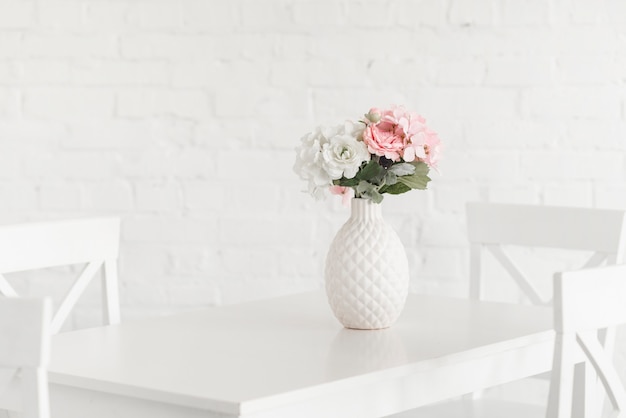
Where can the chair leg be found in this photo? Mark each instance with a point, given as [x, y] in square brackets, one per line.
[562, 378]
[584, 393]
[111, 303]
[36, 401]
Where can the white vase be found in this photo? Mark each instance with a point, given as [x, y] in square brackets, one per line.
[367, 273]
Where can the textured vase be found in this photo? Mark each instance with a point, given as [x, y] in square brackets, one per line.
[367, 273]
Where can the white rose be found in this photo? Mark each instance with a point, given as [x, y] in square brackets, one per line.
[343, 156]
[328, 153]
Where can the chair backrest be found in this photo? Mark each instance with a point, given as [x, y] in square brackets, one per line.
[492, 226]
[585, 301]
[24, 351]
[94, 242]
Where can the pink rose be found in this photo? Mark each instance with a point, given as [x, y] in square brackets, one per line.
[346, 192]
[385, 139]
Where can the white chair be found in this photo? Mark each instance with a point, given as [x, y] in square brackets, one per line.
[94, 242]
[584, 302]
[24, 350]
[492, 227]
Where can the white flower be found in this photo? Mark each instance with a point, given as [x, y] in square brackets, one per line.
[328, 153]
[343, 156]
[354, 129]
[309, 163]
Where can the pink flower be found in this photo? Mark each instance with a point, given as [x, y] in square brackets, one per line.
[409, 122]
[384, 139]
[425, 146]
[390, 131]
[346, 192]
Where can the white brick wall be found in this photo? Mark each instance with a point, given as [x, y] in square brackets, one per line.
[181, 117]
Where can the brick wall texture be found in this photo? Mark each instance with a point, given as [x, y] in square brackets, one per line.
[181, 116]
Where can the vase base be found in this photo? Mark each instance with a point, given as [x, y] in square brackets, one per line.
[367, 329]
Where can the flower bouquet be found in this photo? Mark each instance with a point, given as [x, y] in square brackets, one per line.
[388, 151]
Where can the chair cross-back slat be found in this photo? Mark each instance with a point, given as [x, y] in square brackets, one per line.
[522, 280]
[5, 287]
[72, 295]
[512, 268]
[606, 372]
[596, 260]
[585, 301]
[93, 242]
[24, 351]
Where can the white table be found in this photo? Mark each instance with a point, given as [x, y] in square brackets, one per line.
[289, 357]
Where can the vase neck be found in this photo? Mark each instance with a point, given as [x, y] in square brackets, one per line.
[365, 209]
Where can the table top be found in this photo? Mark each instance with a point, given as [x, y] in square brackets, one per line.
[257, 355]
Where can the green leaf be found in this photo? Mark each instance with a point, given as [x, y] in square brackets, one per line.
[419, 179]
[390, 178]
[369, 191]
[402, 169]
[376, 197]
[415, 181]
[420, 167]
[346, 182]
[364, 188]
[397, 188]
[371, 170]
